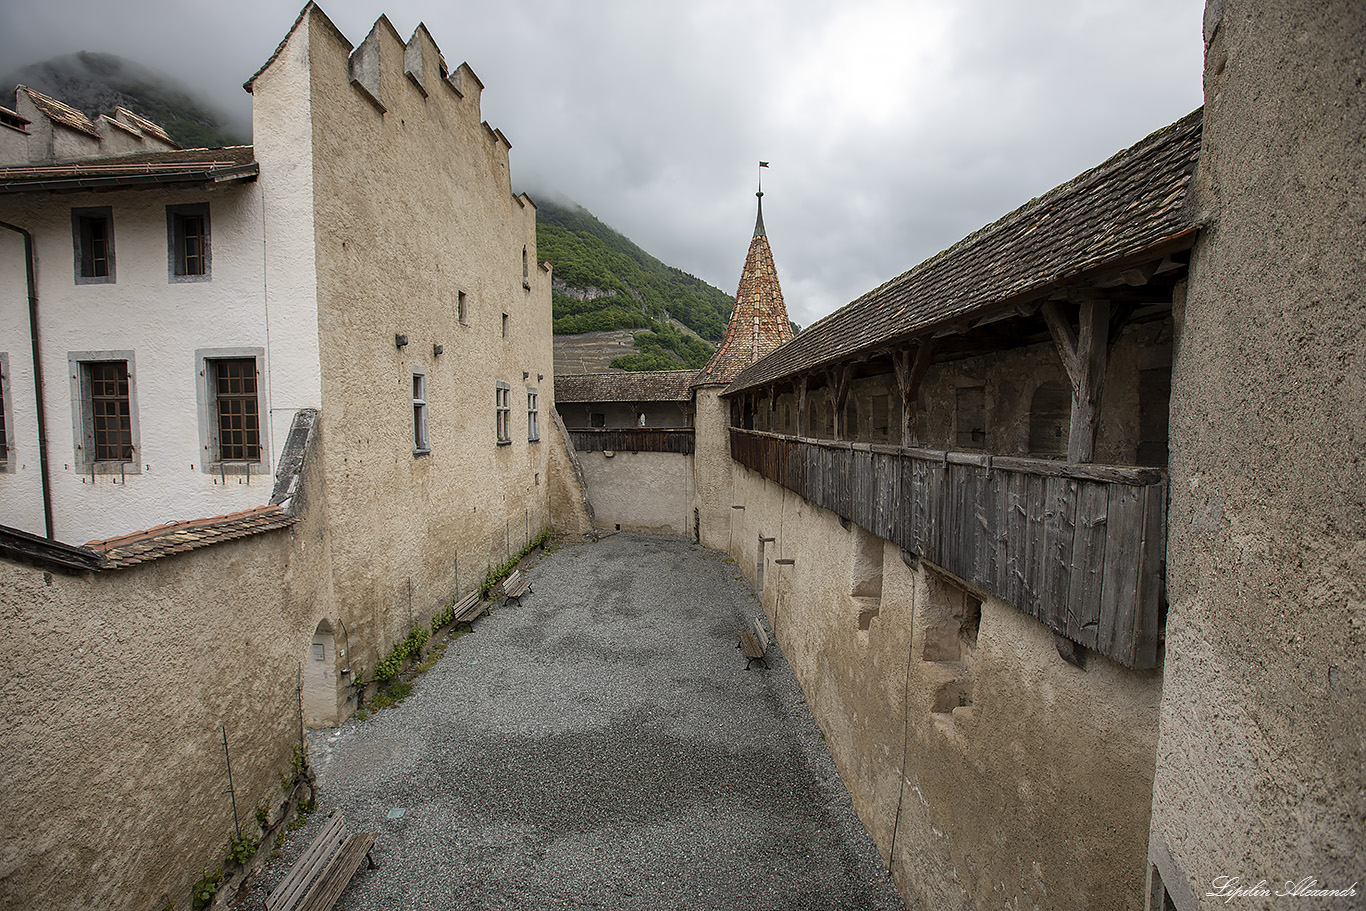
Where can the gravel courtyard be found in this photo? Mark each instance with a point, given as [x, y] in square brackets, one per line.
[601, 745]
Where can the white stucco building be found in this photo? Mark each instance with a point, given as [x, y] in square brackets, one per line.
[266, 411]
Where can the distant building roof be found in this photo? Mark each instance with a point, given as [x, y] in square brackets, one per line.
[60, 112]
[1132, 204]
[635, 386]
[145, 125]
[143, 169]
[759, 322]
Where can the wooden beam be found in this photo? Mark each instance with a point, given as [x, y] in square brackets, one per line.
[1060, 327]
[1085, 355]
[838, 382]
[909, 372]
[801, 406]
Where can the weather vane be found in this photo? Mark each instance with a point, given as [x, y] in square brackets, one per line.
[762, 164]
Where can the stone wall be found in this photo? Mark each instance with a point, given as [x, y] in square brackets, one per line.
[649, 492]
[119, 686]
[712, 468]
[419, 235]
[992, 772]
[1262, 770]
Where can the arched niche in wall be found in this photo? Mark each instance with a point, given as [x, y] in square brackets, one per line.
[320, 678]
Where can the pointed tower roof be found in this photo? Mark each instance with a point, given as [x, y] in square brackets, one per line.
[759, 322]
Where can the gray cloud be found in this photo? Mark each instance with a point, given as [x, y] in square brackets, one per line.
[894, 127]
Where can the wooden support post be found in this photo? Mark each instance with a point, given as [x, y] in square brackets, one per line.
[1084, 354]
[909, 372]
[838, 381]
[801, 406]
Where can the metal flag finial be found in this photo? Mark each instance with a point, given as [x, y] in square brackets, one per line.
[762, 164]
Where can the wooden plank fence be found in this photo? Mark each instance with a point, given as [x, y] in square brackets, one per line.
[1079, 547]
[633, 439]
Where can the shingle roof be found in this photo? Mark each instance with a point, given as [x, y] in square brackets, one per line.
[759, 322]
[170, 166]
[178, 537]
[1131, 203]
[635, 386]
[60, 112]
[145, 125]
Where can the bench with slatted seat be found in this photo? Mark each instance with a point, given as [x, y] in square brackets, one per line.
[322, 873]
[515, 586]
[468, 608]
[754, 643]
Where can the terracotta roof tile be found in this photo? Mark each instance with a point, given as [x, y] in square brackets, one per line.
[179, 537]
[635, 386]
[1131, 203]
[759, 322]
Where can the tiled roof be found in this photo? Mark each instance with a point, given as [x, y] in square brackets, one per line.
[759, 322]
[178, 537]
[171, 166]
[145, 125]
[59, 112]
[1132, 203]
[635, 386]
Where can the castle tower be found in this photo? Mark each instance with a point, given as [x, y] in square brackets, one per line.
[758, 324]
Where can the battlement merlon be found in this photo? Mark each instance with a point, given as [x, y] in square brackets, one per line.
[423, 63]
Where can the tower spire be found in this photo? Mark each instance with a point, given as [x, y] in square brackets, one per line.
[759, 322]
[759, 222]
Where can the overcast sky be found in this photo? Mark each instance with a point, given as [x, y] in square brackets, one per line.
[893, 128]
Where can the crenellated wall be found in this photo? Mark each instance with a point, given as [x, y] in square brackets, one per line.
[416, 234]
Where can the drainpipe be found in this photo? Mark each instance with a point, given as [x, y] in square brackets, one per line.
[37, 374]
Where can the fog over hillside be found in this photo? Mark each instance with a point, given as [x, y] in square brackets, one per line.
[97, 83]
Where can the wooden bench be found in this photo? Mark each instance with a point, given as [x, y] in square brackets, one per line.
[515, 586]
[468, 608]
[754, 643]
[322, 873]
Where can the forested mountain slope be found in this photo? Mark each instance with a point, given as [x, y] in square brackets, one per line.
[603, 281]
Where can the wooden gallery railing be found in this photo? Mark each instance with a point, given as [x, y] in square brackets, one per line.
[1079, 547]
[633, 439]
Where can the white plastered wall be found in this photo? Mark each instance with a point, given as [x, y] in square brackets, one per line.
[162, 323]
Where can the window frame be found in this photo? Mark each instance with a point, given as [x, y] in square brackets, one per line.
[533, 415]
[79, 364]
[81, 218]
[206, 394]
[175, 242]
[503, 413]
[422, 441]
[7, 464]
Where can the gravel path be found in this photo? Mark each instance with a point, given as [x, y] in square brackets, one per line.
[601, 746]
